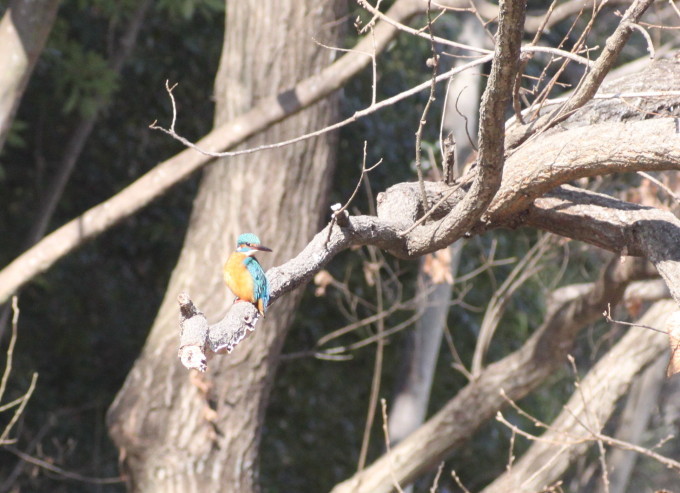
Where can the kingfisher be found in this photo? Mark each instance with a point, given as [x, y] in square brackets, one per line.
[243, 274]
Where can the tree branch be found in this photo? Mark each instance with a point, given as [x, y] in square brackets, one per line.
[550, 456]
[615, 225]
[24, 28]
[478, 401]
[590, 82]
[490, 159]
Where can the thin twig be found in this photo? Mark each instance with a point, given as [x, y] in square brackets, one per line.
[339, 211]
[424, 217]
[19, 410]
[62, 472]
[364, 171]
[608, 316]
[423, 119]
[377, 366]
[670, 192]
[10, 348]
[369, 340]
[459, 482]
[435, 483]
[465, 118]
[645, 34]
[356, 116]
[674, 7]
[383, 406]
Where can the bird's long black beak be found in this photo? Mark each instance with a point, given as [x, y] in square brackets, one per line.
[262, 248]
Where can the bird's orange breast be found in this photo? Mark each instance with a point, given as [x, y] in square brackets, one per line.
[237, 277]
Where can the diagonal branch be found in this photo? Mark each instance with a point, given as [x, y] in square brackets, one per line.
[615, 225]
[489, 169]
[478, 401]
[550, 456]
[591, 81]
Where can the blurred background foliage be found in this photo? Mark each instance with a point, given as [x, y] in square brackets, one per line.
[85, 320]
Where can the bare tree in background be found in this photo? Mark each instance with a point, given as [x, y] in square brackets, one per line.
[23, 30]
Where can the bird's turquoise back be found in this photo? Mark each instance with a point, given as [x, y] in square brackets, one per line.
[260, 283]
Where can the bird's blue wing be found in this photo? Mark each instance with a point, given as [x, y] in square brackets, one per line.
[260, 283]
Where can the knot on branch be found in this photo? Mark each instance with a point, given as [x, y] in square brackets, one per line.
[340, 215]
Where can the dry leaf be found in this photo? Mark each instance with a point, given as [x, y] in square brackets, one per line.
[437, 265]
[322, 279]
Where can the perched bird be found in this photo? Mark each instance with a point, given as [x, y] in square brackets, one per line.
[243, 274]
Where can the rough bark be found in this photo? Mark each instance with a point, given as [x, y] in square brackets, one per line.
[23, 31]
[183, 432]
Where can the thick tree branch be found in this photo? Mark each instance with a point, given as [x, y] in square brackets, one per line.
[489, 169]
[582, 152]
[617, 226]
[538, 167]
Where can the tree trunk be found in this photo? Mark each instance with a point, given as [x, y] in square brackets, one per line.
[185, 432]
[23, 31]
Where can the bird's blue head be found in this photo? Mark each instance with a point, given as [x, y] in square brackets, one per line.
[249, 244]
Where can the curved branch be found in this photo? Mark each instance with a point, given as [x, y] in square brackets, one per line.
[490, 159]
[583, 152]
[552, 453]
[617, 226]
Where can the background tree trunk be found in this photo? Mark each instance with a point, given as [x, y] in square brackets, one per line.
[189, 432]
[23, 31]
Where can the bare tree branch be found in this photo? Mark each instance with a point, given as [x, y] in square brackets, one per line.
[550, 456]
[617, 226]
[591, 81]
[24, 28]
[490, 159]
[478, 401]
